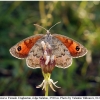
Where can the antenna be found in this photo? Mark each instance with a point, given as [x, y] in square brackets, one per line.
[45, 28]
[54, 25]
[40, 26]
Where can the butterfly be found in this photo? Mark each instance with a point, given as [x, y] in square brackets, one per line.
[63, 47]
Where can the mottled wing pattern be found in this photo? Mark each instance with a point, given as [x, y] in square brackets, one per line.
[33, 59]
[62, 55]
[63, 58]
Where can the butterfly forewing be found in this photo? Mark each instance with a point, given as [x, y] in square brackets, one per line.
[21, 49]
[76, 49]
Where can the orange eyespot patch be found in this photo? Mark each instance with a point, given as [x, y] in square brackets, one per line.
[25, 46]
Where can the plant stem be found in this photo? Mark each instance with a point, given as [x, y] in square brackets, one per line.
[46, 90]
[46, 78]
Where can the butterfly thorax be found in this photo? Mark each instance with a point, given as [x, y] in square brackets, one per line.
[48, 38]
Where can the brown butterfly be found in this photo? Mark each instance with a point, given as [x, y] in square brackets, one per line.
[63, 47]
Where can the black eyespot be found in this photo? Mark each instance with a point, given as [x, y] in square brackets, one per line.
[19, 48]
[77, 48]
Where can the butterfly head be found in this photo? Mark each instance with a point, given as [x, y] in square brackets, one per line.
[48, 33]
